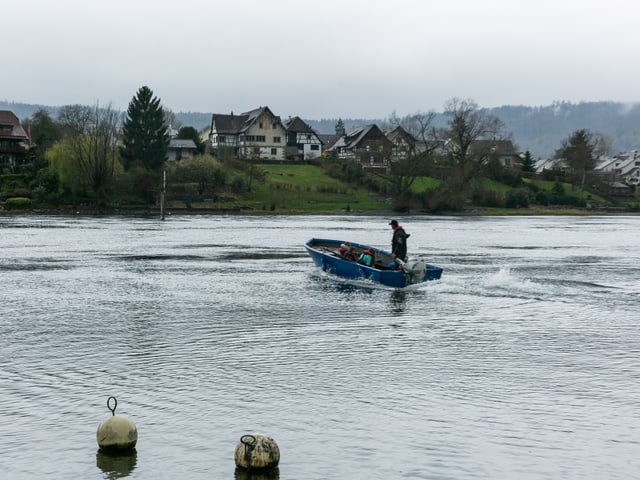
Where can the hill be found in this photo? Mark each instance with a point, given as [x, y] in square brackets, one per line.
[540, 130]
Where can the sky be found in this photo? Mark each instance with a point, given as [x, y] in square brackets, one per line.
[320, 59]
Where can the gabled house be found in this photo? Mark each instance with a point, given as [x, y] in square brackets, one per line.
[13, 142]
[328, 140]
[303, 143]
[254, 135]
[551, 164]
[181, 149]
[366, 145]
[501, 150]
[404, 144]
[624, 167]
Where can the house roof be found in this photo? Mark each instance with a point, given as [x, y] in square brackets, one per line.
[328, 140]
[184, 144]
[498, 147]
[357, 135]
[296, 124]
[398, 133]
[229, 124]
[10, 127]
[235, 124]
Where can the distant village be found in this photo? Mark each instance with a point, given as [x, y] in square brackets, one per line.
[261, 135]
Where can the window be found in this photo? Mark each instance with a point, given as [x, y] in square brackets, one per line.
[276, 140]
[256, 150]
[260, 125]
[274, 151]
[315, 147]
[261, 138]
[222, 139]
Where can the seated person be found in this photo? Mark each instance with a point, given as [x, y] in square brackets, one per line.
[366, 258]
[347, 252]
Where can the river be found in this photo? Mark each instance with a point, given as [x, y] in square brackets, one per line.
[523, 361]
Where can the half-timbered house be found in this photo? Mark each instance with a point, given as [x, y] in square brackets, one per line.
[254, 135]
[303, 143]
[367, 145]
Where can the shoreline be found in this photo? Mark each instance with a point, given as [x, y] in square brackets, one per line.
[155, 212]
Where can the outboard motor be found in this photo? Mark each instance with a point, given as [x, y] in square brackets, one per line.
[414, 270]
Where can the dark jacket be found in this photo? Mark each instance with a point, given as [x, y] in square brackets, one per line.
[399, 243]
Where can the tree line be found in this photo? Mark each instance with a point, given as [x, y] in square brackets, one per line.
[97, 154]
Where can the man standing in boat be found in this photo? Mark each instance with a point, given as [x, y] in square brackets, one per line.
[398, 242]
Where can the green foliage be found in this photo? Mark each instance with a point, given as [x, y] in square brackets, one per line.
[145, 135]
[203, 170]
[90, 134]
[10, 181]
[517, 198]
[45, 132]
[542, 197]
[61, 159]
[487, 197]
[578, 151]
[18, 192]
[190, 133]
[558, 189]
[528, 163]
[17, 203]
[46, 186]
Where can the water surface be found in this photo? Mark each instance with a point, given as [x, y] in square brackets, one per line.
[523, 361]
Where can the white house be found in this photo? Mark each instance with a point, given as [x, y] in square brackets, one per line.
[303, 143]
[257, 134]
[181, 149]
[624, 167]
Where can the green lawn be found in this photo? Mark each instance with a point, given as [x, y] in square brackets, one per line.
[307, 188]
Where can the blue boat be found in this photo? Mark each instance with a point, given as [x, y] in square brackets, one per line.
[327, 255]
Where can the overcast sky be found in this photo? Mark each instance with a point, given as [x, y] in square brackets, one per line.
[320, 59]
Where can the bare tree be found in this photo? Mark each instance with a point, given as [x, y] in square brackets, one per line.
[91, 132]
[468, 140]
[415, 156]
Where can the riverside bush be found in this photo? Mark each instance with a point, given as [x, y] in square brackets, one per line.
[17, 203]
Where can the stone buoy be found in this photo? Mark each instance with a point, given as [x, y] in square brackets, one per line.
[257, 452]
[117, 434]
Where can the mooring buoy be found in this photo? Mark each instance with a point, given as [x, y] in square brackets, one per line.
[257, 452]
[117, 434]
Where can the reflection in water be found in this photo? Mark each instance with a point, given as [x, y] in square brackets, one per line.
[116, 465]
[271, 474]
[398, 301]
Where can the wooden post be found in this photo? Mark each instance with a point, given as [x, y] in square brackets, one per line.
[162, 194]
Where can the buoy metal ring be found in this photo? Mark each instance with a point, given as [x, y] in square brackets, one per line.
[115, 404]
[248, 440]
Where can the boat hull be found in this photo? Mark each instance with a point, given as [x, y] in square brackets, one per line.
[325, 255]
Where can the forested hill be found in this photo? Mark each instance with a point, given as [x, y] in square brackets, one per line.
[539, 130]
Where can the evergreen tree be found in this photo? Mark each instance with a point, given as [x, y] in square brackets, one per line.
[145, 133]
[578, 151]
[528, 164]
